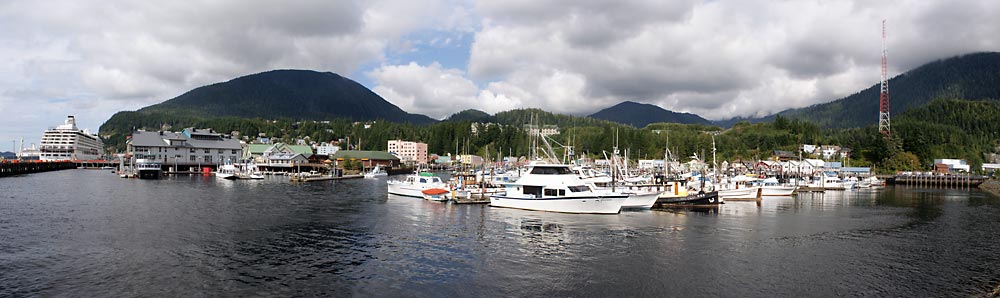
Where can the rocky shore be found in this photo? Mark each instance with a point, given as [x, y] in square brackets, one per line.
[991, 186]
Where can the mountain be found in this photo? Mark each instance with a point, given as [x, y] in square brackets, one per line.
[8, 155]
[471, 115]
[972, 77]
[640, 115]
[296, 94]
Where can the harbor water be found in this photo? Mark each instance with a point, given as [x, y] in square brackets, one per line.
[88, 233]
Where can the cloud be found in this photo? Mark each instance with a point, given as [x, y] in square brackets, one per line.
[718, 59]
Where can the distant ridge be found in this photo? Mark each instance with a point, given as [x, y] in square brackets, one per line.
[640, 115]
[471, 115]
[296, 94]
[972, 76]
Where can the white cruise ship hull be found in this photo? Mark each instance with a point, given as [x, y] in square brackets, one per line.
[597, 205]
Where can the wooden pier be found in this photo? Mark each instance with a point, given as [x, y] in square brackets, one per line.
[938, 181]
[11, 168]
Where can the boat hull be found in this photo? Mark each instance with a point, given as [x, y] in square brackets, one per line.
[410, 190]
[777, 191]
[740, 194]
[640, 200]
[595, 204]
[702, 199]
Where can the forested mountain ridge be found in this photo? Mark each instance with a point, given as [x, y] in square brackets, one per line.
[970, 77]
[641, 114]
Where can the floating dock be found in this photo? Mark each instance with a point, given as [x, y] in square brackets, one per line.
[324, 178]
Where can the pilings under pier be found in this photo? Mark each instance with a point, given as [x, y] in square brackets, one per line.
[939, 181]
[11, 168]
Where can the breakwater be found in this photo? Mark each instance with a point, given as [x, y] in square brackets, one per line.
[8, 168]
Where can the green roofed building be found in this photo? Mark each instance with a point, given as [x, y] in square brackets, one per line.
[367, 158]
[260, 152]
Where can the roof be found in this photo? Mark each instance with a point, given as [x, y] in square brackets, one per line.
[156, 139]
[257, 148]
[358, 154]
[261, 148]
[285, 156]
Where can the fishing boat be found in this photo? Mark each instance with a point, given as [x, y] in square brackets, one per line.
[227, 171]
[556, 188]
[414, 184]
[690, 200]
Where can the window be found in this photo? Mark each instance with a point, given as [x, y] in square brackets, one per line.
[208, 158]
[551, 170]
[208, 150]
[193, 158]
[422, 180]
[192, 150]
[551, 192]
[533, 190]
[579, 188]
[234, 151]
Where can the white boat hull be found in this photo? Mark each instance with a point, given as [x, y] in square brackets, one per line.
[598, 205]
[640, 200]
[410, 190]
[778, 191]
[737, 194]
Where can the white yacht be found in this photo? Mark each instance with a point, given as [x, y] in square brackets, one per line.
[771, 187]
[376, 172]
[67, 142]
[552, 187]
[415, 184]
[148, 169]
[227, 171]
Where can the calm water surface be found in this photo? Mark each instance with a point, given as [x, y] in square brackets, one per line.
[85, 233]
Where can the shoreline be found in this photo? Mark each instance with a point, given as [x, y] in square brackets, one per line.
[991, 186]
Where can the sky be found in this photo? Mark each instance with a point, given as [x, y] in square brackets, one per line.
[718, 59]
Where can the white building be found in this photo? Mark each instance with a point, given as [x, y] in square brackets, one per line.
[954, 164]
[408, 152]
[829, 151]
[545, 130]
[327, 149]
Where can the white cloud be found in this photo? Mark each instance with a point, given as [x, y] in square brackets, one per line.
[718, 59]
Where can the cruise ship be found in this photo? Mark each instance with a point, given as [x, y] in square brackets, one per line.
[67, 142]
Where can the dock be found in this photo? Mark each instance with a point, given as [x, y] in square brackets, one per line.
[324, 178]
[8, 168]
[472, 199]
[941, 181]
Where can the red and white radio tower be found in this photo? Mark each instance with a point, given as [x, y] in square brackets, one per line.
[883, 97]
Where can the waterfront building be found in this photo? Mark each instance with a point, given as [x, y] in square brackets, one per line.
[469, 159]
[259, 152]
[953, 165]
[286, 160]
[367, 159]
[186, 148]
[409, 152]
[67, 142]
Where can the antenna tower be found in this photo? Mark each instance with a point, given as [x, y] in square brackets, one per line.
[883, 98]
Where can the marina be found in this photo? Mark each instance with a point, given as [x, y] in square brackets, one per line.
[196, 235]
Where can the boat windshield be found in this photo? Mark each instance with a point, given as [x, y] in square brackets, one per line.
[551, 171]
